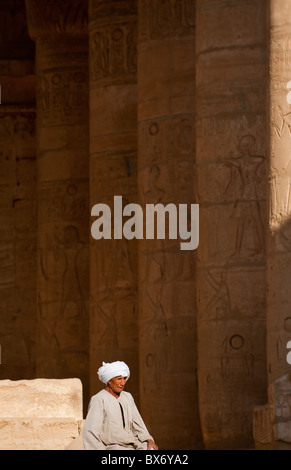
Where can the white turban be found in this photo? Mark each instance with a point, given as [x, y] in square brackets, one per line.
[109, 370]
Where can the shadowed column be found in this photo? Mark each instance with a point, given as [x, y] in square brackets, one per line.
[18, 195]
[230, 138]
[60, 32]
[166, 170]
[113, 147]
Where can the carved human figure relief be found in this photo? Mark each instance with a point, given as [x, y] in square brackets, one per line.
[154, 373]
[284, 122]
[156, 267]
[154, 192]
[158, 321]
[106, 312]
[237, 359]
[245, 169]
[71, 247]
[100, 55]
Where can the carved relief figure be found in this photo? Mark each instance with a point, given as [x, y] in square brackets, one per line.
[113, 52]
[72, 252]
[237, 359]
[283, 405]
[152, 383]
[168, 18]
[163, 18]
[285, 123]
[114, 267]
[60, 95]
[154, 193]
[43, 96]
[245, 168]
[117, 51]
[219, 304]
[71, 282]
[66, 256]
[157, 325]
[107, 313]
[59, 17]
[100, 55]
[131, 55]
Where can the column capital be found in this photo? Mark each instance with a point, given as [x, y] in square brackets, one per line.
[66, 18]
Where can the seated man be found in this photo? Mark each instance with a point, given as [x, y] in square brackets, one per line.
[113, 421]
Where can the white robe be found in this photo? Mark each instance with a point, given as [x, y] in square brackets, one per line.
[104, 428]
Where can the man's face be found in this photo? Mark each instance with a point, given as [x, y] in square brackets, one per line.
[117, 384]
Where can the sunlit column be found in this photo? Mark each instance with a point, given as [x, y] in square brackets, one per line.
[279, 190]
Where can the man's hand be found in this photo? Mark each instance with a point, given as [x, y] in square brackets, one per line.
[152, 445]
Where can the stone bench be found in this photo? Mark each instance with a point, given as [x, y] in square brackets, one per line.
[40, 414]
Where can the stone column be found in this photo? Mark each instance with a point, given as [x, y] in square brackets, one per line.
[166, 171]
[17, 240]
[279, 186]
[113, 148]
[231, 156]
[18, 195]
[60, 32]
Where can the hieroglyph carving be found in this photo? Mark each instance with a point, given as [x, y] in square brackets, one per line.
[162, 18]
[246, 167]
[113, 52]
[68, 16]
[60, 95]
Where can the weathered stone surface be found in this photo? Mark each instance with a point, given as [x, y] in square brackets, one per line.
[37, 433]
[40, 414]
[113, 172]
[166, 174]
[272, 422]
[18, 233]
[61, 36]
[262, 429]
[77, 442]
[231, 171]
[279, 177]
[41, 398]
[280, 408]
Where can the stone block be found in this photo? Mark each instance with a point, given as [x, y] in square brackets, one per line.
[40, 414]
[37, 433]
[41, 398]
[272, 422]
[262, 429]
[77, 442]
